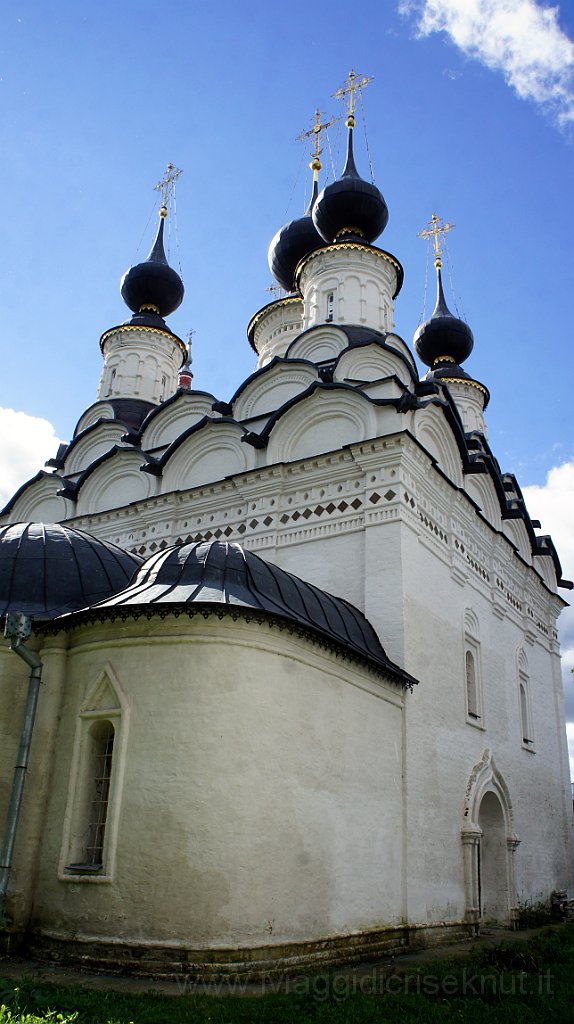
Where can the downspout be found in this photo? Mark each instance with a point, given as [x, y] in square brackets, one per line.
[17, 630]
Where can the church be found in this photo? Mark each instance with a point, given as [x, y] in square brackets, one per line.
[300, 697]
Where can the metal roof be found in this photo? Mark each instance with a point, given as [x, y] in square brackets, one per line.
[223, 573]
[47, 569]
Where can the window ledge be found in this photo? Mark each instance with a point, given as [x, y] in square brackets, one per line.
[476, 722]
[82, 878]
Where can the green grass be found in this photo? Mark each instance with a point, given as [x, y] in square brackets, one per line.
[531, 982]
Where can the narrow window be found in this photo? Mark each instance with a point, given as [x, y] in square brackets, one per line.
[524, 716]
[103, 747]
[330, 306]
[89, 845]
[471, 688]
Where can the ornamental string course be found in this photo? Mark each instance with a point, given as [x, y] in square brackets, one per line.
[301, 698]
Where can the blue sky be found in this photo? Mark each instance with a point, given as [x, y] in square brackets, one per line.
[471, 114]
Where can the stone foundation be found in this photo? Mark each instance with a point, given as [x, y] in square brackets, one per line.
[228, 963]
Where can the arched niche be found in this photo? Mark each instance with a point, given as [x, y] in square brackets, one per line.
[319, 344]
[325, 421]
[211, 453]
[98, 411]
[115, 482]
[273, 387]
[368, 363]
[102, 437]
[434, 434]
[517, 534]
[480, 488]
[545, 567]
[40, 502]
[166, 424]
[471, 624]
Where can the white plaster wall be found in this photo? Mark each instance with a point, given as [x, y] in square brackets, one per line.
[442, 748]
[140, 362]
[362, 280]
[262, 790]
[275, 326]
[469, 401]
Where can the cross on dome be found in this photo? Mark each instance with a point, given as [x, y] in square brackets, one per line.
[436, 229]
[354, 83]
[315, 130]
[166, 186]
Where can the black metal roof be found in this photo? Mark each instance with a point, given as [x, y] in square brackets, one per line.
[47, 569]
[224, 574]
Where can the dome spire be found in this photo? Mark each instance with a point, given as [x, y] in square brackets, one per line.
[443, 340]
[299, 237]
[152, 289]
[350, 209]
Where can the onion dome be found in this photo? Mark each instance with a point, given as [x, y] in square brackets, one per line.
[443, 341]
[224, 574]
[350, 208]
[153, 287]
[47, 569]
[292, 243]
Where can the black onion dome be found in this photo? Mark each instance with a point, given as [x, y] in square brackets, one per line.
[291, 244]
[224, 574]
[153, 283]
[350, 206]
[443, 337]
[47, 569]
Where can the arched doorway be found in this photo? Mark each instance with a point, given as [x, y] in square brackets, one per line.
[493, 888]
[489, 844]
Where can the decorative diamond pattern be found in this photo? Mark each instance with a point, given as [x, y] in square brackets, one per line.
[356, 503]
[268, 520]
[253, 524]
[330, 508]
[375, 498]
[342, 506]
[389, 495]
[284, 518]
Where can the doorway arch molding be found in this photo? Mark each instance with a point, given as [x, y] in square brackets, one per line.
[486, 778]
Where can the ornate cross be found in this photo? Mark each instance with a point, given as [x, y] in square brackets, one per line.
[352, 84]
[436, 229]
[316, 130]
[166, 186]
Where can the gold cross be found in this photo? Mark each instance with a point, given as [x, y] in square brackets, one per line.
[166, 185]
[436, 228]
[316, 130]
[353, 83]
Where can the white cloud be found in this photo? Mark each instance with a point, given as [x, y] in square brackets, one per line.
[520, 38]
[25, 444]
[553, 505]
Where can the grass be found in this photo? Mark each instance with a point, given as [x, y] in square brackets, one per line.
[532, 981]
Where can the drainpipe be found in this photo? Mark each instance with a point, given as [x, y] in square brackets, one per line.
[17, 630]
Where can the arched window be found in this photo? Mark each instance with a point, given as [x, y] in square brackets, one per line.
[96, 769]
[526, 730]
[330, 307]
[472, 669]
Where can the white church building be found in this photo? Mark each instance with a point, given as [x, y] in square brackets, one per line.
[301, 697]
